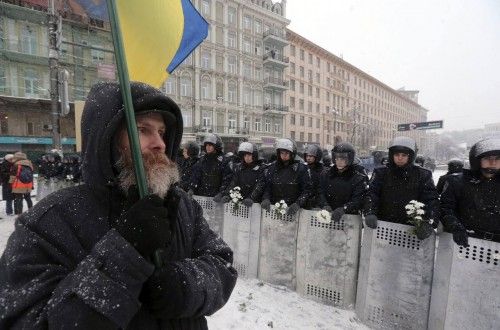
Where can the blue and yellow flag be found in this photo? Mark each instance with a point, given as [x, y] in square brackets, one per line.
[157, 35]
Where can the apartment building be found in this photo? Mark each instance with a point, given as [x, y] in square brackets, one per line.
[233, 83]
[331, 100]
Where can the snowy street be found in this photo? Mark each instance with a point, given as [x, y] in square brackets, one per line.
[255, 305]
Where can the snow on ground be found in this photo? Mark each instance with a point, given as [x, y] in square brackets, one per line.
[257, 305]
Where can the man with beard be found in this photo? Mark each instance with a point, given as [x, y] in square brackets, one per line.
[394, 186]
[211, 174]
[246, 174]
[342, 187]
[313, 155]
[470, 202]
[82, 257]
[190, 152]
[286, 179]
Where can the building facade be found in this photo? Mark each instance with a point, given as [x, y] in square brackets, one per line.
[331, 100]
[85, 51]
[233, 83]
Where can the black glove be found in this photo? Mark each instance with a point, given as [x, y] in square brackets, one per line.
[371, 221]
[461, 237]
[424, 230]
[248, 202]
[328, 208]
[162, 293]
[226, 199]
[218, 198]
[145, 224]
[190, 192]
[292, 209]
[266, 204]
[337, 214]
[454, 226]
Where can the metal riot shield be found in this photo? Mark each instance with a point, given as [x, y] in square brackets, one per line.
[212, 212]
[241, 231]
[466, 285]
[327, 259]
[395, 276]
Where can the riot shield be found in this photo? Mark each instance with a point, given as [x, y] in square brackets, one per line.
[212, 212]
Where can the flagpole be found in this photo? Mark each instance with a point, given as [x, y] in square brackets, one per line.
[124, 80]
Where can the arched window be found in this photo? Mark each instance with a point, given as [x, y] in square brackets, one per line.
[186, 86]
[206, 88]
[232, 92]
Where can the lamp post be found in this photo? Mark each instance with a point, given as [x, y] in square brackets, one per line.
[335, 113]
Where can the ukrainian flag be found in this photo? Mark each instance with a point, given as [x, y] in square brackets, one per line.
[157, 36]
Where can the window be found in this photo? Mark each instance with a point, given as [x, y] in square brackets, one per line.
[292, 50]
[232, 121]
[292, 102]
[206, 89]
[231, 92]
[231, 40]
[292, 68]
[258, 124]
[247, 70]
[309, 75]
[258, 48]
[292, 119]
[246, 122]
[187, 118]
[301, 106]
[317, 138]
[302, 136]
[317, 92]
[309, 137]
[310, 57]
[205, 60]
[258, 73]
[292, 85]
[28, 40]
[29, 128]
[309, 90]
[310, 122]
[302, 54]
[97, 55]
[3, 78]
[4, 124]
[317, 123]
[318, 78]
[246, 46]
[205, 7]
[2, 34]
[186, 86]
[292, 135]
[247, 22]
[318, 62]
[258, 26]
[301, 72]
[301, 121]
[206, 118]
[257, 95]
[277, 128]
[219, 35]
[231, 64]
[31, 82]
[301, 88]
[247, 95]
[267, 127]
[309, 106]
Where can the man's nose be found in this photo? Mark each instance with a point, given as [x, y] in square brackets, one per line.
[158, 143]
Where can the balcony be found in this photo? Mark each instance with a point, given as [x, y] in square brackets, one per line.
[275, 107]
[221, 130]
[276, 83]
[276, 37]
[278, 60]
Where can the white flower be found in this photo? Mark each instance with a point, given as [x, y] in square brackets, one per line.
[413, 202]
[285, 205]
[235, 200]
[409, 212]
[237, 188]
[282, 212]
[282, 201]
[420, 212]
[431, 221]
[420, 205]
[409, 207]
[277, 204]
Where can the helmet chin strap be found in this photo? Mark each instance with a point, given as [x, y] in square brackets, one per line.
[489, 170]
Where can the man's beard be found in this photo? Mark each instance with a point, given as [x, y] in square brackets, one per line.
[161, 172]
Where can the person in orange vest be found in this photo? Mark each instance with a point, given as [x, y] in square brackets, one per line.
[21, 179]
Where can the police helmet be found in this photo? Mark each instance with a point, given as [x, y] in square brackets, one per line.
[215, 140]
[193, 149]
[483, 148]
[344, 150]
[248, 148]
[405, 145]
[314, 150]
[286, 144]
[455, 165]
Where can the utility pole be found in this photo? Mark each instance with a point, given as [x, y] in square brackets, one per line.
[54, 36]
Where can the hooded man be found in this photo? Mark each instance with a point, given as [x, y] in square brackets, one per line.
[470, 202]
[286, 179]
[190, 152]
[82, 256]
[392, 187]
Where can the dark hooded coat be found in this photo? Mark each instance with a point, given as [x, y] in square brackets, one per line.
[64, 267]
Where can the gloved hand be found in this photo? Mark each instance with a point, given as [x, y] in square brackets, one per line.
[226, 199]
[218, 198]
[266, 204]
[292, 209]
[424, 230]
[248, 202]
[337, 214]
[328, 208]
[461, 237]
[371, 221]
[454, 226]
[145, 224]
[190, 192]
[162, 293]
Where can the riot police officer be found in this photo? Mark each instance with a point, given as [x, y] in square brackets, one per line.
[471, 201]
[210, 174]
[455, 167]
[246, 174]
[394, 186]
[286, 179]
[190, 152]
[342, 187]
[313, 156]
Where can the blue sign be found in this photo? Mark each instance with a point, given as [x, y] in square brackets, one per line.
[33, 140]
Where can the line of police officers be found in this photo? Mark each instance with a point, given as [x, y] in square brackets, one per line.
[469, 204]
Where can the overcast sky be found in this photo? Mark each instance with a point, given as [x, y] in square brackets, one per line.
[449, 50]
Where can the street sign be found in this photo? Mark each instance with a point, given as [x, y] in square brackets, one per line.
[420, 126]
